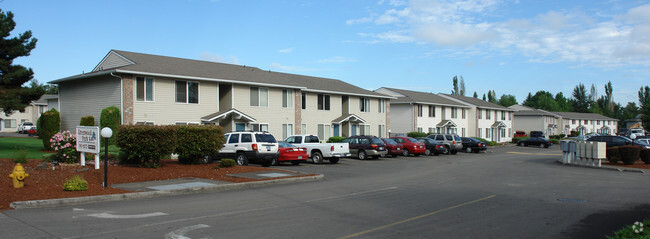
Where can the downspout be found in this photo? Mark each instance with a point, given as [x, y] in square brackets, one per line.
[121, 97]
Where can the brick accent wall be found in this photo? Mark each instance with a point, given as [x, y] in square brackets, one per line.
[127, 99]
[297, 127]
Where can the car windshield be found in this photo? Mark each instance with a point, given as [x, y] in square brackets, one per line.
[413, 140]
[389, 141]
[634, 131]
[376, 141]
[265, 138]
[285, 144]
[27, 123]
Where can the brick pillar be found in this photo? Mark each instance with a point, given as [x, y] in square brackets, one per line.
[297, 105]
[387, 111]
[127, 99]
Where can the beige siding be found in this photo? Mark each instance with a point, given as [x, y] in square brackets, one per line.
[274, 115]
[312, 116]
[164, 110]
[17, 118]
[81, 98]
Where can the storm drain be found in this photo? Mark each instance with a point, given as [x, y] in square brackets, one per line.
[572, 200]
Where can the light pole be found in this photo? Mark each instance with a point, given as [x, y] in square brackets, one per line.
[106, 133]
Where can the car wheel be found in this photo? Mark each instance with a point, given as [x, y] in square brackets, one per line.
[334, 160]
[520, 144]
[406, 153]
[468, 149]
[241, 159]
[317, 158]
[427, 152]
[295, 162]
[542, 145]
[363, 155]
[275, 162]
[446, 150]
[454, 151]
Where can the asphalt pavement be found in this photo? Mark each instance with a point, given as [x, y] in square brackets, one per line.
[507, 192]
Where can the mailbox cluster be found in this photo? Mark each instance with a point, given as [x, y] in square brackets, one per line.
[583, 152]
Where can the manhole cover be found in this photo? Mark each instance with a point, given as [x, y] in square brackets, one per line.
[573, 200]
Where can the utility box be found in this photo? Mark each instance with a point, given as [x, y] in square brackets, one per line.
[580, 149]
[564, 145]
[589, 146]
[572, 146]
[600, 150]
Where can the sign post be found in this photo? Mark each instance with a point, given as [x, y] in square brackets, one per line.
[88, 142]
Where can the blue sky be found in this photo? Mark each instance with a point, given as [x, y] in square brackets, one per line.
[512, 47]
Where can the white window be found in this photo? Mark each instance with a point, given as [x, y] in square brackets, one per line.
[324, 131]
[143, 88]
[364, 104]
[10, 123]
[287, 98]
[187, 92]
[503, 115]
[304, 100]
[487, 132]
[480, 133]
[420, 110]
[364, 129]
[432, 130]
[144, 123]
[480, 114]
[463, 135]
[260, 127]
[487, 116]
[382, 106]
[432, 111]
[463, 113]
[259, 96]
[382, 131]
[323, 102]
[454, 112]
[287, 129]
[420, 129]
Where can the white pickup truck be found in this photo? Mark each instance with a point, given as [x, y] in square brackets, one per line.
[318, 151]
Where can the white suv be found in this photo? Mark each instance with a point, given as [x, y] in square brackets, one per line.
[256, 147]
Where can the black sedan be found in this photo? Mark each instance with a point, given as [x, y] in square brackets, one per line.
[535, 141]
[473, 145]
[433, 147]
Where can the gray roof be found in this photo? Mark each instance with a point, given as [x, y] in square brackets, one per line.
[534, 112]
[410, 96]
[479, 102]
[139, 63]
[583, 116]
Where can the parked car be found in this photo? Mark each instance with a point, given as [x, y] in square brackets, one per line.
[536, 134]
[451, 141]
[410, 145]
[291, 153]
[519, 134]
[473, 145]
[256, 147]
[433, 147]
[25, 126]
[642, 140]
[536, 141]
[612, 141]
[394, 148]
[362, 146]
[637, 131]
[318, 151]
[623, 132]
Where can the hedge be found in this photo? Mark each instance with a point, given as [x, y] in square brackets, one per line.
[416, 134]
[87, 121]
[645, 155]
[335, 139]
[145, 144]
[613, 155]
[517, 139]
[110, 118]
[193, 142]
[48, 125]
[629, 153]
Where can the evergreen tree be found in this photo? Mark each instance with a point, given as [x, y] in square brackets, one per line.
[455, 90]
[13, 96]
[462, 86]
[483, 96]
[644, 106]
[580, 99]
[475, 95]
[507, 100]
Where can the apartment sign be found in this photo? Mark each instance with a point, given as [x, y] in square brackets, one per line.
[88, 139]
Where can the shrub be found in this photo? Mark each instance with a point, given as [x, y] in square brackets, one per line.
[517, 139]
[76, 183]
[87, 121]
[110, 118]
[193, 142]
[555, 141]
[48, 124]
[65, 145]
[574, 133]
[416, 134]
[628, 231]
[146, 144]
[20, 156]
[335, 139]
[227, 163]
[613, 155]
[629, 153]
[645, 155]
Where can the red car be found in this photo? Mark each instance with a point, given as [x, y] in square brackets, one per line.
[291, 153]
[519, 134]
[410, 145]
[393, 147]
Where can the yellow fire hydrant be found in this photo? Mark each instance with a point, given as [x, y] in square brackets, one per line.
[19, 176]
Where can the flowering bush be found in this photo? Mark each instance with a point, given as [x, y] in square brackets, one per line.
[65, 145]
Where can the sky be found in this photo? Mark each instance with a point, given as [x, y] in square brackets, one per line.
[512, 47]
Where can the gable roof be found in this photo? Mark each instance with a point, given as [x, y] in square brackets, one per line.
[117, 61]
[528, 111]
[478, 102]
[409, 96]
[583, 116]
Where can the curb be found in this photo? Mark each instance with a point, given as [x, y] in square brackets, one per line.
[612, 168]
[153, 194]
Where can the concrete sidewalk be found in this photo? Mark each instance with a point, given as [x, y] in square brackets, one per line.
[172, 187]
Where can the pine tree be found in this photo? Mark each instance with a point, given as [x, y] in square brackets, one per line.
[455, 82]
[475, 95]
[462, 86]
[13, 96]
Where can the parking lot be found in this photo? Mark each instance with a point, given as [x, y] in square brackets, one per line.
[506, 192]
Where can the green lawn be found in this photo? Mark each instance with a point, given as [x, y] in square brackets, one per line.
[34, 147]
[9, 147]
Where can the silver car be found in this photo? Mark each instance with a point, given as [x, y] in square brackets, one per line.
[451, 141]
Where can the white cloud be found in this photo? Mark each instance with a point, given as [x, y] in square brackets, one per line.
[358, 21]
[286, 50]
[394, 3]
[281, 67]
[337, 59]
[207, 56]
